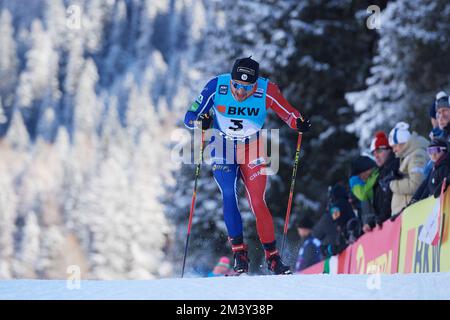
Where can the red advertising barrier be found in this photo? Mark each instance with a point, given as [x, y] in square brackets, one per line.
[314, 269]
[377, 251]
[344, 259]
[397, 247]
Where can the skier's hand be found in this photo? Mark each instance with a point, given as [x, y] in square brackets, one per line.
[206, 120]
[303, 125]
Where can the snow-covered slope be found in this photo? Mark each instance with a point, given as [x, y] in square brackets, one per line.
[412, 286]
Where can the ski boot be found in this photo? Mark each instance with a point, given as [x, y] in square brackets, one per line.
[275, 264]
[240, 258]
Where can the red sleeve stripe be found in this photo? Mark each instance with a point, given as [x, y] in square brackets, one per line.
[292, 114]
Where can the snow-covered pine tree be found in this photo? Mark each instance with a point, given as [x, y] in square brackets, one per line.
[410, 67]
[8, 68]
[38, 86]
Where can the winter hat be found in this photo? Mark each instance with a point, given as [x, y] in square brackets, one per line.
[438, 143]
[222, 267]
[224, 261]
[361, 164]
[441, 94]
[339, 206]
[399, 134]
[245, 69]
[380, 141]
[337, 192]
[305, 223]
[442, 101]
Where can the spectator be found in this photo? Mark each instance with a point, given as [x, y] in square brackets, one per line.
[341, 213]
[441, 107]
[363, 177]
[325, 230]
[410, 149]
[309, 252]
[222, 268]
[436, 131]
[387, 164]
[438, 151]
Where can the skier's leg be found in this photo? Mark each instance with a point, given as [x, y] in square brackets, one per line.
[255, 185]
[226, 177]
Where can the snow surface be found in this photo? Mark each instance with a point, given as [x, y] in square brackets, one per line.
[302, 287]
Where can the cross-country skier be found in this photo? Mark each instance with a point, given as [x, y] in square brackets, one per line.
[237, 105]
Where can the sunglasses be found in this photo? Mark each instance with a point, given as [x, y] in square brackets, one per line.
[379, 150]
[238, 86]
[434, 150]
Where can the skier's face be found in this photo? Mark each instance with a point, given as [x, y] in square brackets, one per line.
[242, 90]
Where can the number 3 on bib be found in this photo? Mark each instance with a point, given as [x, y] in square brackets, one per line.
[237, 125]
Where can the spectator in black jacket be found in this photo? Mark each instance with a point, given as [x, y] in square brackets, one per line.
[438, 151]
[346, 224]
[388, 166]
[325, 230]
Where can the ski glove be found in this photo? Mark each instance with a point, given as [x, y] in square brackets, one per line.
[303, 126]
[206, 120]
[386, 180]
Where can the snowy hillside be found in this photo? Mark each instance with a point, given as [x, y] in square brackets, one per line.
[302, 287]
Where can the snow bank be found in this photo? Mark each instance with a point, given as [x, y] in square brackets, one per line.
[302, 287]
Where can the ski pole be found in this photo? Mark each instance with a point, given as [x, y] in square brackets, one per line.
[194, 196]
[291, 191]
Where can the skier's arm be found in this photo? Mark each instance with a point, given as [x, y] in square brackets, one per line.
[202, 104]
[279, 104]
